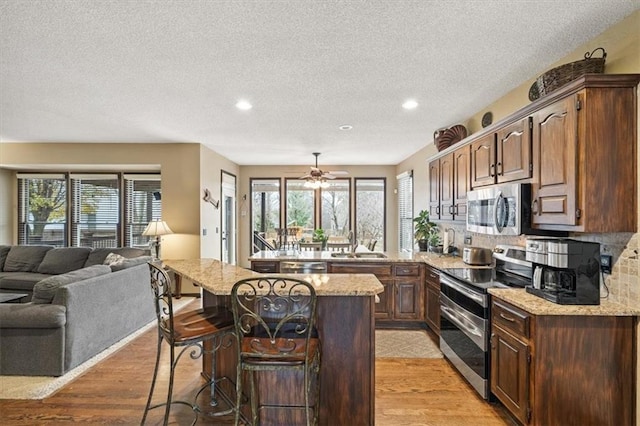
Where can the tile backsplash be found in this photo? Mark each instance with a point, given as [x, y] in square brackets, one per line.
[624, 282]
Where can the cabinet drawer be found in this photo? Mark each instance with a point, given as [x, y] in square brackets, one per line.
[407, 270]
[510, 318]
[361, 268]
[432, 276]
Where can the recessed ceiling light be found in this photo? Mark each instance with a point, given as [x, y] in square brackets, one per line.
[410, 104]
[243, 105]
[345, 127]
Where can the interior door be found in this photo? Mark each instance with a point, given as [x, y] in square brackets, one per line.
[228, 220]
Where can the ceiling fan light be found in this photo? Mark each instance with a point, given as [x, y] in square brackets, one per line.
[324, 184]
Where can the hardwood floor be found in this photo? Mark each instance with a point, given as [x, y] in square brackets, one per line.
[408, 392]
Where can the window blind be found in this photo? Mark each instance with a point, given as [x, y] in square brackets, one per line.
[405, 211]
[42, 209]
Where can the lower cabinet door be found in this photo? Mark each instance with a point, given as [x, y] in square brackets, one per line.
[384, 308]
[409, 300]
[433, 308]
[510, 373]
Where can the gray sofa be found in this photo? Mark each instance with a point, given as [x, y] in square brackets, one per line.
[74, 315]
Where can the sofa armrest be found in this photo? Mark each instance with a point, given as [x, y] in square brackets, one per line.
[28, 315]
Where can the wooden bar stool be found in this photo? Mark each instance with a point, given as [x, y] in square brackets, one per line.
[200, 331]
[275, 321]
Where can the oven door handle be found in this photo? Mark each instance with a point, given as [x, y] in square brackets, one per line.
[461, 289]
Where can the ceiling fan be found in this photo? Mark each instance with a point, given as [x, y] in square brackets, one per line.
[316, 178]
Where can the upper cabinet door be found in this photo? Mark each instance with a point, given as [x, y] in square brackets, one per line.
[514, 151]
[483, 167]
[434, 189]
[461, 184]
[446, 187]
[555, 140]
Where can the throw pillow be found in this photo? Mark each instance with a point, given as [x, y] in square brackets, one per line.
[45, 290]
[63, 260]
[25, 258]
[97, 255]
[113, 258]
[128, 263]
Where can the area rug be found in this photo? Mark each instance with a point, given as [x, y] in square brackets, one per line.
[40, 387]
[405, 344]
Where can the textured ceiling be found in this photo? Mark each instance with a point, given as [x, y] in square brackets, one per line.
[171, 71]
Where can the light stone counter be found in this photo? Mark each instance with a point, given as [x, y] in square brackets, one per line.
[218, 278]
[538, 306]
[438, 261]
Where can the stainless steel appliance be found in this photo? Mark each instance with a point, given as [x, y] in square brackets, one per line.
[304, 267]
[464, 311]
[476, 256]
[565, 271]
[500, 209]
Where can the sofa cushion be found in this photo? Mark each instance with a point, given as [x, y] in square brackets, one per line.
[44, 290]
[28, 315]
[128, 263]
[63, 260]
[113, 258]
[23, 281]
[97, 255]
[4, 251]
[25, 258]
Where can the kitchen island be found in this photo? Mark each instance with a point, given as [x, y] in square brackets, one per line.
[346, 305]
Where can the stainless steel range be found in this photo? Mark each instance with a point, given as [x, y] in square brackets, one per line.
[464, 311]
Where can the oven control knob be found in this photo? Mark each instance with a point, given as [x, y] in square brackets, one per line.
[498, 250]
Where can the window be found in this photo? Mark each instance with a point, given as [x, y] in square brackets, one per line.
[300, 209]
[96, 211]
[87, 210]
[335, 208]
[42, 209]
[265, 213]
[144, 204]
[405, 211]
[370, 211]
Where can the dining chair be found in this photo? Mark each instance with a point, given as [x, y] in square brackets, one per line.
[310, 246]
[339, 246]
[275, 320]
[201, 331]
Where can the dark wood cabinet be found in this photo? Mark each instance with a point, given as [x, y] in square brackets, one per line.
[584, 151]
[448, 186]
[563, 369]
[434, 190]
[403, 296]
[432, 299]
[503, 156]
[510, 358]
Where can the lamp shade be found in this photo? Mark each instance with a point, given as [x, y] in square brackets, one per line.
[156, 228]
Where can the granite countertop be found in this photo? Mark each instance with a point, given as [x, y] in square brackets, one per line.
[438, 261]
[538, 306]
[218, 278]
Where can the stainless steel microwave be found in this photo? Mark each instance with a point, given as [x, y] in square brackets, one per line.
[500, 209]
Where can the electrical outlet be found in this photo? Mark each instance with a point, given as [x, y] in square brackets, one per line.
[606, 263]
[467, 239]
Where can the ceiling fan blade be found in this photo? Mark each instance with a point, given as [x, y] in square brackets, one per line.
[338, 172]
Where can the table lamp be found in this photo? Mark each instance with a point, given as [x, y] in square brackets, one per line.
[156, 228]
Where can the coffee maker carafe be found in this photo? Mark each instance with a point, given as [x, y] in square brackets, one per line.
[565, 271]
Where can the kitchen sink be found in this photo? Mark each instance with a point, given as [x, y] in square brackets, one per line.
[373, 254]
[342, 254]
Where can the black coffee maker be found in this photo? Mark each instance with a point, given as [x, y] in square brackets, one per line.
[565, 271]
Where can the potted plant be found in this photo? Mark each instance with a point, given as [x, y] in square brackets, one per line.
[320, 237]
[425, 230]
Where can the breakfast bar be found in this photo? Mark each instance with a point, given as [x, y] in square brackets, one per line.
[346, 306]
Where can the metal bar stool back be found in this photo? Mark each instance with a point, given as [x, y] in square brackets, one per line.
[201, 331]
[275, 321]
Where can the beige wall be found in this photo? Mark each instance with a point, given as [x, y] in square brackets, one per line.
[247, 172]
[178, 164]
